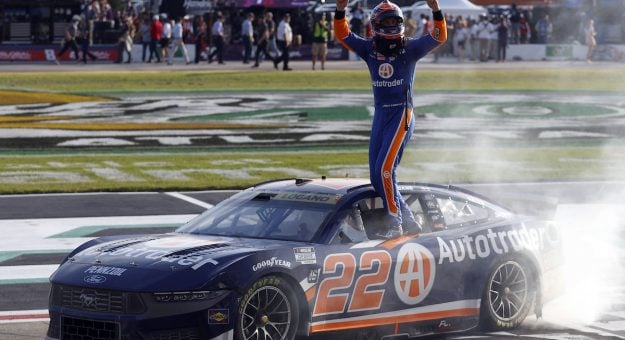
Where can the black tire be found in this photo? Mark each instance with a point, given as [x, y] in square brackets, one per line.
[508, 296]
[269, 309]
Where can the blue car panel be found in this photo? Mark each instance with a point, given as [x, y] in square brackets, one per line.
[299, 256]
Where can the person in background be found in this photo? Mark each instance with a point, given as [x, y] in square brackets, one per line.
[262, 40]
[125, 41]
[144, 34]
[462, 38]
[71, 34]
[165, 37]
[321, 33]
[177, 42]
[591, 42]
[199, 27]
[217, 31]
[156, 29]
[544, 28]
[515, 24]
[85, 43]
[247, 35]
[284, 39]
[525, 31]
[391, 58]
[502, 39]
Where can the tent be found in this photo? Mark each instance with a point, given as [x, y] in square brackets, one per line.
[451, 7]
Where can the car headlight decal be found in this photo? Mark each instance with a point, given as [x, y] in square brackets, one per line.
[189, 296]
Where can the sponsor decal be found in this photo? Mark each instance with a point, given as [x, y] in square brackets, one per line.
[437, 33]
[315, 198]
[194, 260]
[386, 174]
[444, 325]
[115, 271]
[218, 316]
[274, 261]
[388, 83]
[365, 281]
[385, 70]
[483, 245]
[305, 255]
[87, 300]
[313, 276]
[414, 273]
[94, 279]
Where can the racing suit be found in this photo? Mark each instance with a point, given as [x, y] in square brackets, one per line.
[392, 80]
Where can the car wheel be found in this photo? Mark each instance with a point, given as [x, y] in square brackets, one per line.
[268, 310]
[508, 296]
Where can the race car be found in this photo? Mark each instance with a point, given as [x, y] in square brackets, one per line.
[298, 257]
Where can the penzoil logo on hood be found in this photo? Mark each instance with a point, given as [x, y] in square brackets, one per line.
[161, 251]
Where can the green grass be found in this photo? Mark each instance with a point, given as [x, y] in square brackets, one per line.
[196, 168]
[560, 79]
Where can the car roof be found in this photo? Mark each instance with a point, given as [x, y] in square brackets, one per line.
[334, 186]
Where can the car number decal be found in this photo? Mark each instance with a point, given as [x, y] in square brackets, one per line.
[364, 297]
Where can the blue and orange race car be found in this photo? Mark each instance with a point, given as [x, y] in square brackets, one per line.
[299, 257]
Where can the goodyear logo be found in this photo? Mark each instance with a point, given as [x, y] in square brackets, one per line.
[218, 316]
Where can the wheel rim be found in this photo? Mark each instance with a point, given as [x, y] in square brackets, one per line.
[508, 290]
[266, 315]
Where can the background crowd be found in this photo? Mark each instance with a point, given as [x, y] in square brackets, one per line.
[259, 34]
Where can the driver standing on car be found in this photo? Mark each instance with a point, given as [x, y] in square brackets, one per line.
[391, 58]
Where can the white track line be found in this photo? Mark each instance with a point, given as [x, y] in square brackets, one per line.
[190, 199]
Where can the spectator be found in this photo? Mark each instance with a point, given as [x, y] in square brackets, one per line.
[525, 31]
[320, 41]
[474, 40]
[591, 42]
[71, 33]
[484, 29]
[217, 31]
[144, 34]
[515, 24]
[462, 38]
[155, 36]
[284, 38]
[83, 37]
[544, 28]
[178, 43]
[124, 43]
[502, 40]
[262, 40]
[165, 37]
[271, 28]
[247, 35]
[199, 27]
[357, 20]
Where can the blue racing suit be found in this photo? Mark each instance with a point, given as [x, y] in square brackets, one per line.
[392, 80]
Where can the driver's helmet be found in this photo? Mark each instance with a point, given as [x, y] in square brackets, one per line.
[384, 10]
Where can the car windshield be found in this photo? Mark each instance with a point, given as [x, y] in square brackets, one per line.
[279, 216]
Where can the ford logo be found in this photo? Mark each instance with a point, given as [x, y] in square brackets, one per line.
[95, 279]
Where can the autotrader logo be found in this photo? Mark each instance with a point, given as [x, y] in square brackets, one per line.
[385, 70]
[414, 273]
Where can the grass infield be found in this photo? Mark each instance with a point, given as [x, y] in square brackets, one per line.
[192, 168]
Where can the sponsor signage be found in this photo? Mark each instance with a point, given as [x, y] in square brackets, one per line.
[48, 53]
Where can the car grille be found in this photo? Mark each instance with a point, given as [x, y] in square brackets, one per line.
[97, 300]
[80, 329]
[176, 334]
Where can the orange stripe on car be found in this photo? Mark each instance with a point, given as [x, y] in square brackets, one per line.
[392, 243]
[311, 292]
[337, 325]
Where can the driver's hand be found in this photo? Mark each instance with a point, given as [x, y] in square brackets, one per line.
[341, 5]
[434, 5]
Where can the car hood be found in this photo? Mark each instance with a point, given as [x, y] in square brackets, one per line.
[169, 261]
